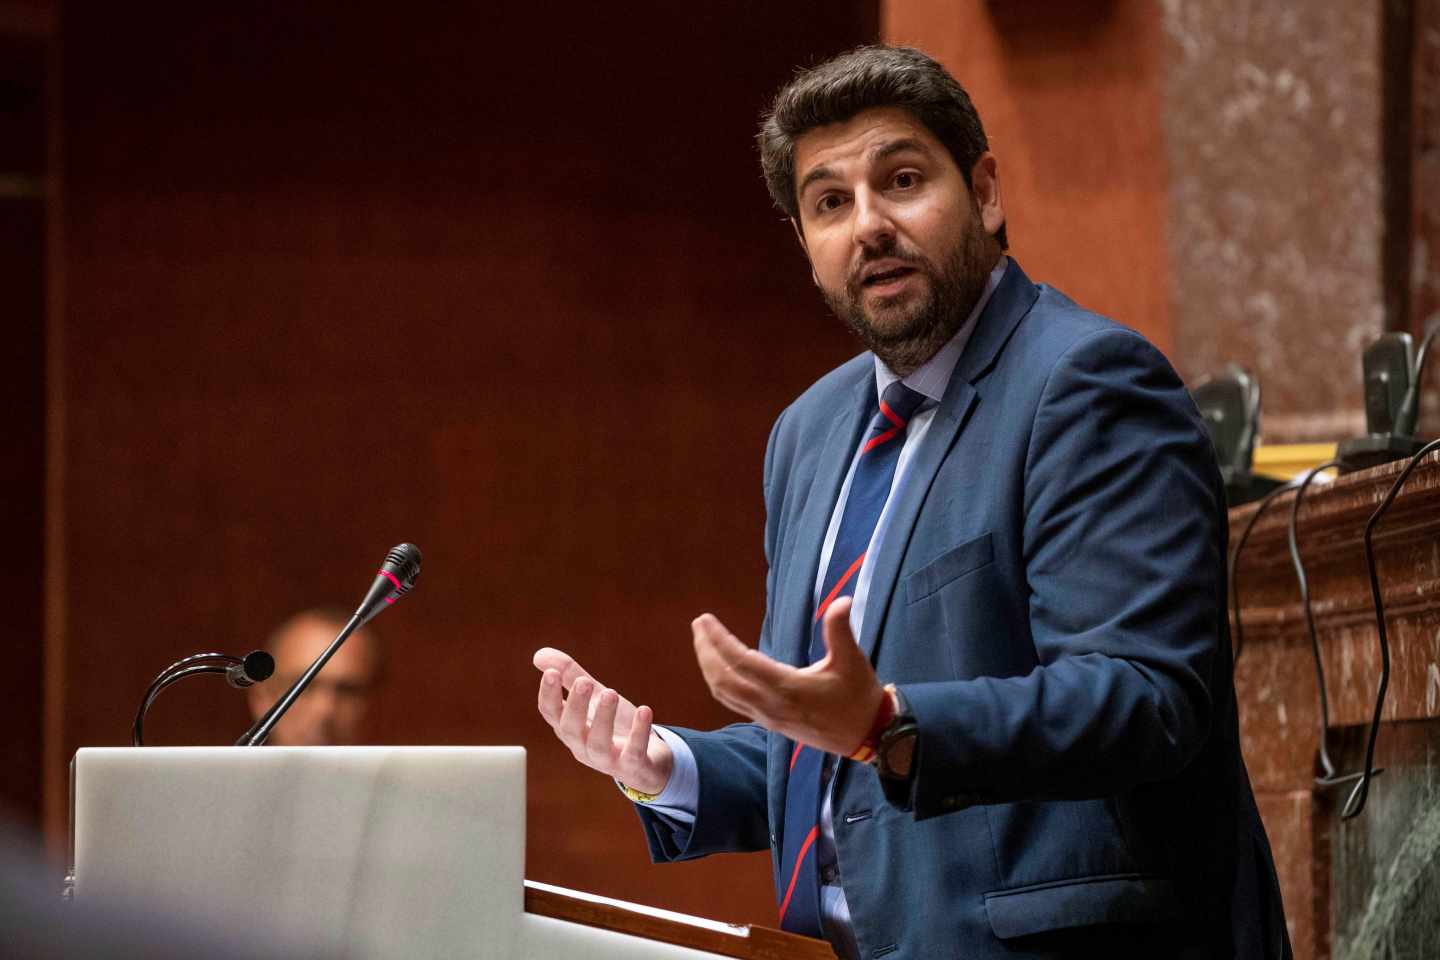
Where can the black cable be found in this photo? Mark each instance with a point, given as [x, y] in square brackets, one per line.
[1265, 501]
[1325, 762]
[1356, 801]
[1409, 412]
[1425, 349]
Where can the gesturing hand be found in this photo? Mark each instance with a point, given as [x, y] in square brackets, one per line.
[829, 705]
[602, 729]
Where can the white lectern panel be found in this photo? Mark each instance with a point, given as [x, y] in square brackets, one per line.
[360, 851]
[336, 851]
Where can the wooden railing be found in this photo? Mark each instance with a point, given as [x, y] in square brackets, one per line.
[745, 942]
[1275, 677]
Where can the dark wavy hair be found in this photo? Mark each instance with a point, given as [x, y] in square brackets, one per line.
[865, 78]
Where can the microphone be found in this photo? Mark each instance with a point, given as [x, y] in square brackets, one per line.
[1391, 404]
[256, 667]
[393, 580]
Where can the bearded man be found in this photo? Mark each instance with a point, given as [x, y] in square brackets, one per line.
[991, 712]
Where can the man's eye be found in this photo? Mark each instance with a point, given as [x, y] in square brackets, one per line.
[829, 202]
[905, 180]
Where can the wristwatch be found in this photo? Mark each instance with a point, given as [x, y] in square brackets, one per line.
[636, 795]
[895, 752]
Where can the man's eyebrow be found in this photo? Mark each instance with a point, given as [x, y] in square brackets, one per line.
[897, 146]
[819, 173]
[877, 154]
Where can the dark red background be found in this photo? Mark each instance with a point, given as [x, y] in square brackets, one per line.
[504, 285]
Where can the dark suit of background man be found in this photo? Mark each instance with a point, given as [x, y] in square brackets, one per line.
[1058, 769]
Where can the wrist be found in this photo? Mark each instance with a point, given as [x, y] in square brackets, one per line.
[643, 786]
[895, 754]
[662, 764]
[884, 716]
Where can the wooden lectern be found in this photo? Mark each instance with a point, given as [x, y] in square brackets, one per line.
[357, 852]
[1347, 883]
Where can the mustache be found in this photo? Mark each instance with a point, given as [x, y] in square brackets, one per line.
[890, 251]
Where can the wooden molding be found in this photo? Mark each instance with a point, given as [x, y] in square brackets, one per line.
[755, 943]
[1330, 534]
[1275, 676]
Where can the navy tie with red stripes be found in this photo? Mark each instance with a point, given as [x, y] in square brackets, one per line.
[799, 891]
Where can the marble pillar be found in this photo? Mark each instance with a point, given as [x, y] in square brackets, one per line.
[1272, 124]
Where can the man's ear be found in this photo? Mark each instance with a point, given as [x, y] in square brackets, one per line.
[800, 236]
[985, 186]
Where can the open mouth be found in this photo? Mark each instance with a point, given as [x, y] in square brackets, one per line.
[881, 277]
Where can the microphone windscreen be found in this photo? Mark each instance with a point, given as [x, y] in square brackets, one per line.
[403, 561]
[256, 667]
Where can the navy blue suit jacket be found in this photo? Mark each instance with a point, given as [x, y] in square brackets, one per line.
[1050, 600]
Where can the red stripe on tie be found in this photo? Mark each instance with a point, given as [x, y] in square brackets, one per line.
[840, 585]
[890, 415]
[879, 439]
[796, 755]
[795, 875]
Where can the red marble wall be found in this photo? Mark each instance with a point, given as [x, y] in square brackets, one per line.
[1071, 97]
[1272, 129]
[1425, 195]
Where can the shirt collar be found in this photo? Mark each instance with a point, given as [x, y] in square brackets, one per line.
[933, 376]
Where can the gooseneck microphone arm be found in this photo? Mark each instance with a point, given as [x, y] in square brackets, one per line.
[260, 730]
[254, 667]
[393, 580]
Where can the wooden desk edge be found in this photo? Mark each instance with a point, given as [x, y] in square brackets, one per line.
[763, 943]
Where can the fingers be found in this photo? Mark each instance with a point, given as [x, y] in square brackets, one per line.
[552, 702]
[720, 650]
[636, 752]
[548, 658]
[714, 643]
[739, 677]
[717, 651]
[600, 739]
[645, 761]
[587, 720]
[571, 729]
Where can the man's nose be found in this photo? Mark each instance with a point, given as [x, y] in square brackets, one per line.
[873, 224]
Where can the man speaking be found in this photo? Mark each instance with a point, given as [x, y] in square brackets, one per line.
[991, 705]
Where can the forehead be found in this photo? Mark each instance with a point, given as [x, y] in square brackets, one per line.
[852, 143]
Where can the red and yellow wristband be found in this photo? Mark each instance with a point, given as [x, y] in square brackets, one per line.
[884, 716]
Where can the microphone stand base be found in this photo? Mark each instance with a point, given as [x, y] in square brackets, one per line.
[1361, 453]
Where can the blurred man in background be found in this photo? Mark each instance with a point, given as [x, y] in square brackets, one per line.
[335, 709]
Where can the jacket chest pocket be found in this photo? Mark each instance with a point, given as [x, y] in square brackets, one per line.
[949, 566]
[960, 607]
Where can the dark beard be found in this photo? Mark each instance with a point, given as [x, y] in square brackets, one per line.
[953, 292]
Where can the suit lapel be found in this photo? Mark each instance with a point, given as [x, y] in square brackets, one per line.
[1008, 305]
[797, 606]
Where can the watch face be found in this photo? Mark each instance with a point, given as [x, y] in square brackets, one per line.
[897, 751]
